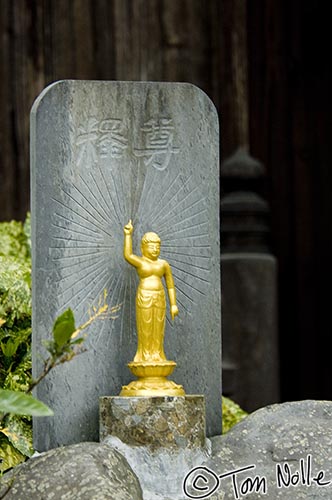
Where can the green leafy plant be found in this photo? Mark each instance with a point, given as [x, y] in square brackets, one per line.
[232, 414]
[15, 432]
[65, 344]
[15, 338]
[15, 240]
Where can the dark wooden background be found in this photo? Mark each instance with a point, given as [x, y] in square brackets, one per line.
[265, 64]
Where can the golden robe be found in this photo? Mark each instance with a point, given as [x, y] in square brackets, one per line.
[150, 320]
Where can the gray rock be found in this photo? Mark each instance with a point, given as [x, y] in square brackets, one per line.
[285, 442]
[102, 153]
[282, 441]
[85, 471]
[289, 438]
[161, 471]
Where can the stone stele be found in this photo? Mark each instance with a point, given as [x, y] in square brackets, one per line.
[102, 153]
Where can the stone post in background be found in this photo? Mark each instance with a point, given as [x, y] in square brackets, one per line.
[249, 280]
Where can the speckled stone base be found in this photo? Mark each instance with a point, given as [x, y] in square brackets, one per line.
[165, 421]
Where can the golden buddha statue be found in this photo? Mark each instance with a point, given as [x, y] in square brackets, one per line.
[150, 364]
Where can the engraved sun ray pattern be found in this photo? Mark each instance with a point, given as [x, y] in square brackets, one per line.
[179, 216]
[86, 218]
[90, 210]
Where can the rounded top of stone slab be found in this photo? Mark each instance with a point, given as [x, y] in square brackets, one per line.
[62, 85]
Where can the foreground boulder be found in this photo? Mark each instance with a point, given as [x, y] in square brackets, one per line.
[85, 471]
[290, 446]
[283, 451]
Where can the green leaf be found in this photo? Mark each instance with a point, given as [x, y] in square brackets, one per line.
[232, 413]
[19, 376]
[9, 456]
[19, 433]
[22, 404]
[10, 347]
[14, 239]
[50, 346]
[64, 327]
[14, 290]
[78, 341]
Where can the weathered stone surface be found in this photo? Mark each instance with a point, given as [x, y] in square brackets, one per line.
[158, 422]
[102, 153]
[276, 437]
[281, 435]
[85, 471]
[289, 436]
[161, 471]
